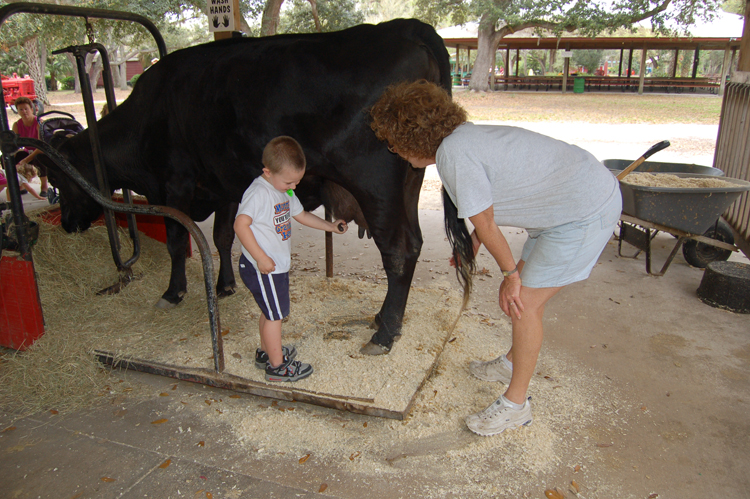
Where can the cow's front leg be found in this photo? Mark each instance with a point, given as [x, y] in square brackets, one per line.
[400, 270]
[177, 245]
[399, 244]
[399, 263]
[223, 239]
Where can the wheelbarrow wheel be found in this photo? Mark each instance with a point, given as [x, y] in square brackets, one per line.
[700, 255]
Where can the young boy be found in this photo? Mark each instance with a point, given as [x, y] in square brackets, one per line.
[264, 227]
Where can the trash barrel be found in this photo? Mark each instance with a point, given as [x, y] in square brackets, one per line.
[578, 85]
[456, 79]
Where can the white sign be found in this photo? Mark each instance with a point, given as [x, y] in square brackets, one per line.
[567, 53]
[220, 15]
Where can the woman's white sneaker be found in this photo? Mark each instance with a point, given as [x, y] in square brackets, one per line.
[498, 417]
[492, 370]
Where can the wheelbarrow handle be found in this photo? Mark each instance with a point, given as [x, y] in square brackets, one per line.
[635, 164]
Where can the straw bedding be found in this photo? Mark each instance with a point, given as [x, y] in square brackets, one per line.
[329, 322]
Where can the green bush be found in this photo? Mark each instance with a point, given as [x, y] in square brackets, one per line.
[133, 80]
[67, 83]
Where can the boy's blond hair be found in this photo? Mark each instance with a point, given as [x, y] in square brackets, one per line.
[282, 152]
[27, 171]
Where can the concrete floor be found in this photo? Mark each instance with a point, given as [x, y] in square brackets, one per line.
[685, 366]
[685, 363]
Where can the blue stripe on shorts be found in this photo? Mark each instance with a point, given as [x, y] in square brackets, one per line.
[271, 291]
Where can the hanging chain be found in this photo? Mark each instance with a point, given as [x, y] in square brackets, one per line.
[89, 30]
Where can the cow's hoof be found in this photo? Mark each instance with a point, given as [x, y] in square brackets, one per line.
[223, 293]
[374, 349]
[164, 304]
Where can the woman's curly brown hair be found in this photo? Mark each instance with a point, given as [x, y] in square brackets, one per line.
[415, 117]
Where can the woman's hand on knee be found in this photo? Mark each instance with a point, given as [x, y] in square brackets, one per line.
[510, 296]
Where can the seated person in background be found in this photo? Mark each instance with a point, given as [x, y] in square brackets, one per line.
[28, 127]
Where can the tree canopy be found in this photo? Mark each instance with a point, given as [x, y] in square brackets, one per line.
[499, 18]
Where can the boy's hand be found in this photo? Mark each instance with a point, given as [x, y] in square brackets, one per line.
[340, 226]
[266, 265]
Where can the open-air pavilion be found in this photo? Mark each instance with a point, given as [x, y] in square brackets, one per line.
[464, 39]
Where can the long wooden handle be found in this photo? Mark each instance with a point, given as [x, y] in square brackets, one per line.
[635, 164]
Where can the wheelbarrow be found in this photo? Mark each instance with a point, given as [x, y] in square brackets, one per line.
[689, 214]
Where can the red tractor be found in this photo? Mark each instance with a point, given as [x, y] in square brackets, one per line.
[16, 87]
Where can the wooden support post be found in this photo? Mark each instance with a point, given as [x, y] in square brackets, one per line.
[676, 60]
[220, 35]
[642, 75]
[329, 246]
[566, 67]
[696, 58]
[744, 63]
[630, 63]
[507, 66]
[725, 70]
[619, 69]
[518, 58]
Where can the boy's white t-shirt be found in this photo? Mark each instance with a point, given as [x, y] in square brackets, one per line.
[272, 212]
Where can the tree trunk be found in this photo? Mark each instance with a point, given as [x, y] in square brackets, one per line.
[35, 72]
[43, 70]
[270, 20]
[314, 7]
[487, 41]
[76, 79]
[93, 69]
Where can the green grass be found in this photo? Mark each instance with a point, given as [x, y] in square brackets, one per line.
[601, 107]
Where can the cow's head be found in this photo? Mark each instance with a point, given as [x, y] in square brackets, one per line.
[78, 210]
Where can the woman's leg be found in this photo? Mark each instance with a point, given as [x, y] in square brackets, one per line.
[527, 340]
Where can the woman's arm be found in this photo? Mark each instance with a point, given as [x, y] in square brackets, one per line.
[26, 185]
[488, 233]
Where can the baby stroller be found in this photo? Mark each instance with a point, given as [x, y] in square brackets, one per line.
[53, 127]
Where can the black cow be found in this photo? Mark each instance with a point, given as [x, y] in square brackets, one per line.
[190, 136]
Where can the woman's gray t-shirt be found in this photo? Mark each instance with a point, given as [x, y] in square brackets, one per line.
[532, 181]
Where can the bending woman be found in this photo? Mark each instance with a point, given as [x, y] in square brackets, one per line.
[567, 201]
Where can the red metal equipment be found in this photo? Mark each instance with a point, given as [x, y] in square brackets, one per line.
[15, 87]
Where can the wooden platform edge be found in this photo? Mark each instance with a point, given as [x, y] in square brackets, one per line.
[242, 385]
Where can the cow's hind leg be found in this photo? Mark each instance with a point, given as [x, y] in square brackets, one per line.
[177, 245]
[223, 239]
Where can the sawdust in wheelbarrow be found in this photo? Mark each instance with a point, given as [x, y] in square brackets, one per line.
[668, 180]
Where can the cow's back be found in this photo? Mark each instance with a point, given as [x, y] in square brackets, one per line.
[219, 103]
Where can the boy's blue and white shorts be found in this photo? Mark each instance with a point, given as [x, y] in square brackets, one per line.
[271, 291]
[562, 255]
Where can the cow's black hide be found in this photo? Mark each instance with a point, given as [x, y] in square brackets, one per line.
[191, 134]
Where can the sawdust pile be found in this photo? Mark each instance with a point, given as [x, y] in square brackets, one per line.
[668, 180]
[568, 404]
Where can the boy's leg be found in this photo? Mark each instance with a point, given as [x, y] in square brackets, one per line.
[270, 340]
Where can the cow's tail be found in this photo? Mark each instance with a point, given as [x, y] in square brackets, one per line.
[461, 244]
[426, 36]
